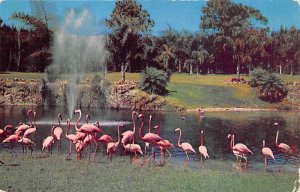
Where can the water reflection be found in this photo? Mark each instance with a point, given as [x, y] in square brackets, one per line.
[249, 128]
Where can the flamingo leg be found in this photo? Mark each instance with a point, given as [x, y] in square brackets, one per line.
[96, 147]
[201, 158]
[187, 157]
[170, 155]
[265, 163]
[70, 152]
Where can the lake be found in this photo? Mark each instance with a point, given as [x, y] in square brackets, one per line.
[250, 128]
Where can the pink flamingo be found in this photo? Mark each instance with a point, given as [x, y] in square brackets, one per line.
[111, 146]
[151, 138]
[49, 141]
[133, 148]
[284, 148]
[31, 130]
[267, 152]
[149, 130]
[185, 146]
[239, 150]
[27, 142]
[105, 139]
[79, 148]
[12, 139]
[202, 148]
[4, 132]
[163, 145]
[87, 141]
[70, 137]
[22, 126]
[129, 135]
[87, 128]
[58, 132]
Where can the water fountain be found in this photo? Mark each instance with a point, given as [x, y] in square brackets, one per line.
[77, 49]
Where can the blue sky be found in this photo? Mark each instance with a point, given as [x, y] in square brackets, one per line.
[177, 14]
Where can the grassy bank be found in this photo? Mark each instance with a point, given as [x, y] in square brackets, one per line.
[25, 173]
[192, 91]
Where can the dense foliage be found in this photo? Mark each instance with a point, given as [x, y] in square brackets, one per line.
[155, 81]
[271, 87]
[233, 39]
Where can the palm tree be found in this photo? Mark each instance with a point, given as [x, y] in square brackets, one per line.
[166, 54]
[199, 56]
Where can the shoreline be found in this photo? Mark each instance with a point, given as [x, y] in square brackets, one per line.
[238, 109]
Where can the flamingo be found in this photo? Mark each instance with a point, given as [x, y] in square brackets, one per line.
[22, 126]
[149, 129]
[111, 146]
[31, 130]
[70, 137]
[27, 142]
[163, 145]
[87, 141]
[79, 147]
[129, 135]
[49, 141]
[202, 148]
[185, 146]
[239, 150]
[151, 138]
[284, 148]
[58, 132]
[12, 139]
[267, 152]
[133, 148]
[87, 128]
[4, 132]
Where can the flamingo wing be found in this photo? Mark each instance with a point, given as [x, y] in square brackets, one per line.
[188, 147]
[266, 151]
[203, 151]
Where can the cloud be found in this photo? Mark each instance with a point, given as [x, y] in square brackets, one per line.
[1, 1]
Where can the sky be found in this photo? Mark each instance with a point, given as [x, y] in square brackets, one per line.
[178, 14]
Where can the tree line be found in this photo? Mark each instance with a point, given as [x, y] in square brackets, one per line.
[232, 38]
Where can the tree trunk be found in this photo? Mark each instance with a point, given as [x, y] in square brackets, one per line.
[238, 68]
[208, 70]
[191, 69]
[249, 67]
[179, 67]
[280, 69]
[197, 69]
[9, 59]
[123, 70]
[292, 70]
[19, 50]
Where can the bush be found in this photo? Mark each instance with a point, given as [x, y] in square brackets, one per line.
[258, 77]
[271, 87]
[155, 81]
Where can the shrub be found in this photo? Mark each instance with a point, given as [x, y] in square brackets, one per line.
[258, 77]
[155, 81]
[271, 87]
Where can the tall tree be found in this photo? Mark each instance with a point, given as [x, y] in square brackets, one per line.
[199, 56]
[228, 20]
[128, 22]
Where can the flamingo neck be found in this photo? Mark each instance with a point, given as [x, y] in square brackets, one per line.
[133, 120]
[58, 119]
[34, 120]
[68, 128]
[117, 143]
[140, 130]
[201, 139]
[277, 135]
[179, 138]
[150, 119]
[79, 118]
[29, 117]
[232, 141]
[52, 131]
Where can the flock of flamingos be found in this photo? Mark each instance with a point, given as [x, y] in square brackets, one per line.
[87, 135]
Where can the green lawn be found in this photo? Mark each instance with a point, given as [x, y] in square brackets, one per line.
[192, 91]
[25, 173]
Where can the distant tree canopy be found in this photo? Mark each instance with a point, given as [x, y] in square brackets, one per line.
[233, 38]
[128, 22]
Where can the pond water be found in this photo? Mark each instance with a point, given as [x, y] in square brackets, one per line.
[249, 128]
